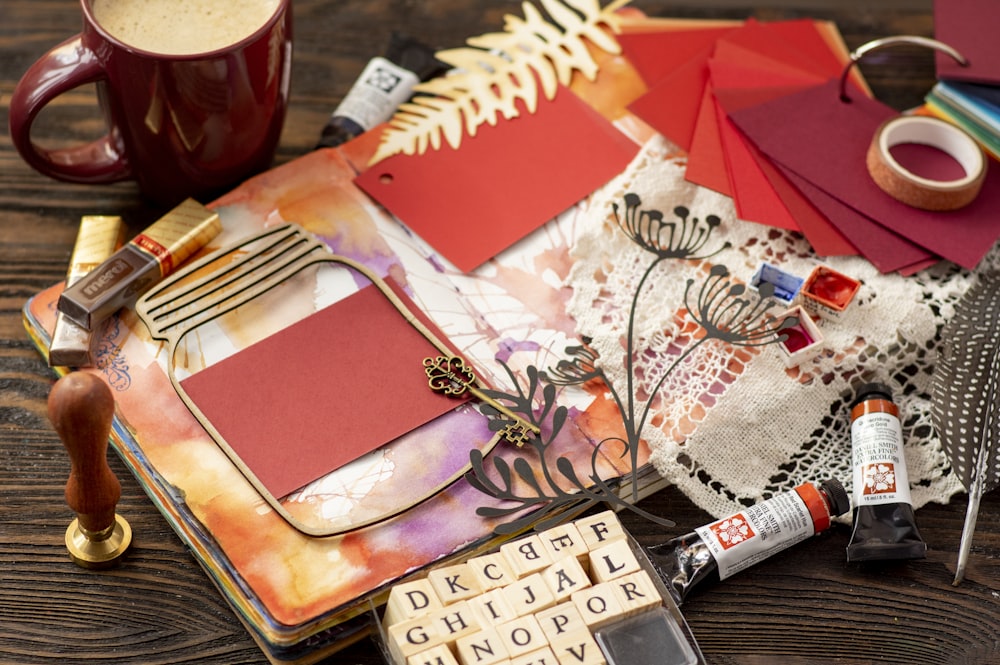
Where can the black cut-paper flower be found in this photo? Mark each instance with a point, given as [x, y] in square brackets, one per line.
[580, 369]
[682, 238]
[727, 312]
[723, 308]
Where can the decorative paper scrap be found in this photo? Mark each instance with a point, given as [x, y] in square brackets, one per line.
[501, 74]
[521, 148]
[321, 392]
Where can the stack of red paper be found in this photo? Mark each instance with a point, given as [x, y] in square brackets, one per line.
[757, 107]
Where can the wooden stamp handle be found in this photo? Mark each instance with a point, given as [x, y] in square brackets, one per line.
[81, 408]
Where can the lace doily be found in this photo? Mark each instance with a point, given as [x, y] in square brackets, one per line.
[732, 425]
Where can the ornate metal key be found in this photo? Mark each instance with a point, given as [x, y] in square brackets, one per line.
[450, 375]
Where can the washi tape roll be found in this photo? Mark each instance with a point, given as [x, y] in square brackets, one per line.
[918, 191]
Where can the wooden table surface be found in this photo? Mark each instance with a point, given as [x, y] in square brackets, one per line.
[805, 605]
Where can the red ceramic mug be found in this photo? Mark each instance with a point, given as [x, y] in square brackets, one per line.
[194, 103]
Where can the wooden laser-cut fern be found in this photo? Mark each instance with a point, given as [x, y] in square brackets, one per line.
[496, 70]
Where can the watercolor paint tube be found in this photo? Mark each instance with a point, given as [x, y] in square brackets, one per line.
[98, 237]
[721, 549]
[385, 83]
[884, 523]
[142, 262]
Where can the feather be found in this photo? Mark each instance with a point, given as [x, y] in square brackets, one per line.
[965, 407]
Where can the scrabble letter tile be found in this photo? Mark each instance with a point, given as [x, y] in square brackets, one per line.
[439, 655]
[636, 592]
[599, 529]
[578, 649]
[454, 583]
[543, 656]
[598, 605]
[482, 648]
[526, 555]
[564, 577]
[560, 621]
[454, 621]
[410, 600]
[615, 559]
[492, 608]
[410, 637]
[491, 571]
[522, 635]
[562, 540]
[529, 594]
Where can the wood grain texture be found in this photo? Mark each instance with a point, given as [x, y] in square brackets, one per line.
[805, 605]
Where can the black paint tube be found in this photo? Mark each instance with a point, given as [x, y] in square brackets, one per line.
[385, 83]
[722, 549]
[884, 524]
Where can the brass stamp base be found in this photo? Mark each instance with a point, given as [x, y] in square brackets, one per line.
[96, 551]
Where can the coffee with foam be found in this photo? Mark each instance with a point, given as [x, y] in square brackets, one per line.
[182, 27]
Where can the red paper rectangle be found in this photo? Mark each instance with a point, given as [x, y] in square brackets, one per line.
[969, 27]
[321, 392]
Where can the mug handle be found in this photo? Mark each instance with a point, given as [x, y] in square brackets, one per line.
[67, 66]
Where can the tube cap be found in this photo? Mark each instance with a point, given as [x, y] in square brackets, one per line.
[835, 493]
[869, 389]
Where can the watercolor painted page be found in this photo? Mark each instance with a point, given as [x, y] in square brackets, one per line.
[286, 579]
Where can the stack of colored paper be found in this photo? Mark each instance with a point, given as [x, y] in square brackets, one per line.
[757, 107]
[975, 108]
[968, 95]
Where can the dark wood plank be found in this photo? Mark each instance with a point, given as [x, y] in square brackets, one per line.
[805, 605]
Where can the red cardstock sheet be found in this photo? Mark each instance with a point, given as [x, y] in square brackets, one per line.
[761, 192]
[887, 251]
[655, 55]
[503, 183]
[681, 103]
[672, 105]
[824, 141]
[970, 27]
[321, 392]
[761, 46]
[755, 198]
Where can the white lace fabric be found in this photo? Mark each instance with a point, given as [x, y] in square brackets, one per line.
[732, 425]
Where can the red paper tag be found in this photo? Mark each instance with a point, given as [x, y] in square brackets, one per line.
[500, 185]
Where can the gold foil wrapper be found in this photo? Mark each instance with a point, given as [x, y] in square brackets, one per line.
[179, 234]
[97, 239]
[146, 259]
